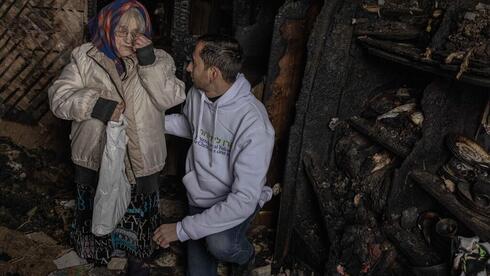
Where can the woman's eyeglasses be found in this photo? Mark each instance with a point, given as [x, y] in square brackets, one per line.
[124, 33]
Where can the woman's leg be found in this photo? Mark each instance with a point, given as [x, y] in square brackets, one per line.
[88, 246]
[135, 230]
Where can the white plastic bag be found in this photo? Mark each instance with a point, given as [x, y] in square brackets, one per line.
[113, 190]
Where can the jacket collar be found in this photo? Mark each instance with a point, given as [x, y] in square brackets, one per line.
[108, 65]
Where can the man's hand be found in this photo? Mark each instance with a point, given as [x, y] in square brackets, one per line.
[165, 234]
[116, 115]
[141, 41]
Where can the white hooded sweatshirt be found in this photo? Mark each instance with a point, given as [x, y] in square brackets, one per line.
[226, 165]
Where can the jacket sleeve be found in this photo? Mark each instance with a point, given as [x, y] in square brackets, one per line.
[159, 80]
[68, 98]
[250, 169]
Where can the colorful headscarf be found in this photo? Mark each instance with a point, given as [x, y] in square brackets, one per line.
[103, 26]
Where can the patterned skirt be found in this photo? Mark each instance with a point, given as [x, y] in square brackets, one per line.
[134, 232]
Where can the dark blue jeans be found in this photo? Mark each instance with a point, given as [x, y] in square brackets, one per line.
[230, 246]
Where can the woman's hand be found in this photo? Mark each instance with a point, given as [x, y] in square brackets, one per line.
[116, 115]
[144, 50]
[141, 41]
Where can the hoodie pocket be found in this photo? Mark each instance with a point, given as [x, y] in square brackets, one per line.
[190, 179]
[203, 193]
[191, 184]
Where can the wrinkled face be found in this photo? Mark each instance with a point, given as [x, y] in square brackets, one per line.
[197, 69]
[128, 28]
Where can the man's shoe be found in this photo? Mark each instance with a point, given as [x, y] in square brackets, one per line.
[137, 267]
[244, 269]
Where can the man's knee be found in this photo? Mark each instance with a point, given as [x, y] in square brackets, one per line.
[222, 246]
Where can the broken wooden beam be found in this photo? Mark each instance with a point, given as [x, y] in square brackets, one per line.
[392, 9]
[388, 30]
[403, 49]
[431, 68]
[381, 135]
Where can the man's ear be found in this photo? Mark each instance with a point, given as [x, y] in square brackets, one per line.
[215, 73]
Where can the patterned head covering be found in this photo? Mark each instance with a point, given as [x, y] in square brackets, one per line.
[103, 26]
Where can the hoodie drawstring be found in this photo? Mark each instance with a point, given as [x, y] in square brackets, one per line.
[240, 89]
[213, 137]
[196, 134]
[199, 122]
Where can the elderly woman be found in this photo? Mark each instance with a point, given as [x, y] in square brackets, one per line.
[119, 72]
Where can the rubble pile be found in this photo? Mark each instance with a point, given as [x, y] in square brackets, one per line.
[471, 30]
[35, 187]
[463, 188]
[27, 255]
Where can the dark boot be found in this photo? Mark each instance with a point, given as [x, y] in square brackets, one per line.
[137, 267]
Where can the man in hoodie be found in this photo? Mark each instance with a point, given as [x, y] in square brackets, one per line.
[227, 162]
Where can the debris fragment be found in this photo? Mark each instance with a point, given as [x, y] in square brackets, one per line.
[117, 263]
[69, 259]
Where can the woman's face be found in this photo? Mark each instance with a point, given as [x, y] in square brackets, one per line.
[126, 31]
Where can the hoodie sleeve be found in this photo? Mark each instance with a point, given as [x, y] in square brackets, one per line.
[68, 98]
[250, 169]
[179, 124]
[159, 80]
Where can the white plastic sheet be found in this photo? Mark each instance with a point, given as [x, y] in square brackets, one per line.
[113, 190]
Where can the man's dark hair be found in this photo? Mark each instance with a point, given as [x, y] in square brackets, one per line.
[224, 52]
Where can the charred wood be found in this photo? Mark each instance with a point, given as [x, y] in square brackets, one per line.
[435, 187]
[284, 83]
[296, 193]
[388, 30]
[461, 38]
[324, 196]
[403, 49]
[472, 79]
[411, 245]
[182, 39]
[442, 33]
[351, 209]
[382, 135]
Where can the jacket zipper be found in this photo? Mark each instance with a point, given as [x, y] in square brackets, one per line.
[120, 95]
